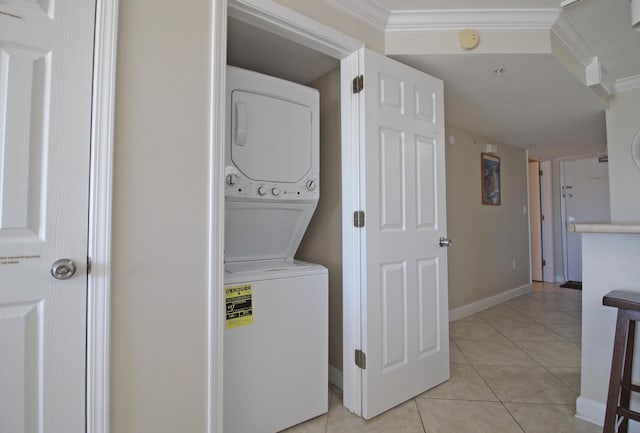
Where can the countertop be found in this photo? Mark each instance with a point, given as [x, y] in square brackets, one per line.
[604, 228]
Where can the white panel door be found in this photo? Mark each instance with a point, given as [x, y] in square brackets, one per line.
[405, 333]
[46, 49]
[586, 198]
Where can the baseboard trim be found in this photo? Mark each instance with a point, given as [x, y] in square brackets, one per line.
[590, 411]
[335, 377]
[483, 304]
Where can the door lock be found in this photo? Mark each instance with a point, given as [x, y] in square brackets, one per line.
[444, 242]
[63, 269]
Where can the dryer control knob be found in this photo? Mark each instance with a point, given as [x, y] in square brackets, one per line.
[232, 179]
[275, 191]
[262, 190]
[311, 185]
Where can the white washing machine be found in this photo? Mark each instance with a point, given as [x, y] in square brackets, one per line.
[276, 368]
[276, 341]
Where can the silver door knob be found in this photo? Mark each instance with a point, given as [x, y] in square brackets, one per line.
[63, 269]
[444, 242]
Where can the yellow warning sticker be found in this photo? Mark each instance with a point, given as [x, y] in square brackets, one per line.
[239, 300]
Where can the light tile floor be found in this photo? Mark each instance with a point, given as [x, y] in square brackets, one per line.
[515, 368]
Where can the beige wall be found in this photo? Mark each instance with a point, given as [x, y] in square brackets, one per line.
[159, 270]
[322, 242]
[624, 176]
[326, 14]
[486, 239]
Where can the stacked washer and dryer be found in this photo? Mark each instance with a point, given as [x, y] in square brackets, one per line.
[276, 336]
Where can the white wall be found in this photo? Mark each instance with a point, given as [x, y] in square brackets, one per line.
[609, 262]
[160, 227]
[623, 123]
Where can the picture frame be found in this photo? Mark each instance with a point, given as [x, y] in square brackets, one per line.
[490, 171]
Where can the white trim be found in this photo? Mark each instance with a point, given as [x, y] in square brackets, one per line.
[626, 84]
[351, 278]
[526, 161]
[100, 204]
[566, 34]
[566, 3]
[479, 19]
[215, 295]
[271, 16]
[491, 301]
[563, 224]
[590, 411]
[335, 377]
[548, 241]
[368, 11]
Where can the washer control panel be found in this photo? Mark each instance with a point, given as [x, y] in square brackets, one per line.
[240, 186]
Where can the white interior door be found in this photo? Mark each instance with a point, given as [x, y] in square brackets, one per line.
[586, 199]
[46, 50]
[405, 333]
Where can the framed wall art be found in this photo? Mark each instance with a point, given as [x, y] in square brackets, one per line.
[490, 169]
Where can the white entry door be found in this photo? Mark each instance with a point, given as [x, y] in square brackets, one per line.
[46, 52]
[585, 193]
[405, 334]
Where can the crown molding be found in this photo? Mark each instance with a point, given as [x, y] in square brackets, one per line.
[626, 84]
[368, 11]
[560, 25]
[478, 19]
[568, 35]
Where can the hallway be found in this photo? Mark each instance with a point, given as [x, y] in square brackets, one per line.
[515, 368]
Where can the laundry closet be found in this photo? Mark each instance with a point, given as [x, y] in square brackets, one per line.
[277, 309]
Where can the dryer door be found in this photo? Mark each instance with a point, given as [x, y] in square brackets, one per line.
[271, 138]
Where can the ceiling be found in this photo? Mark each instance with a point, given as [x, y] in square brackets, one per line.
[536, 103]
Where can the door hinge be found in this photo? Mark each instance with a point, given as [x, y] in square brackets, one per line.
[544, 263]
[358, 84]
[358, 218]
[540, 172]
[88, 265]
[361, 359]
[541, 217]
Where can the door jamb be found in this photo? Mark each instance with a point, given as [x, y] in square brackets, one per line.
[351, 237]
[100, 206]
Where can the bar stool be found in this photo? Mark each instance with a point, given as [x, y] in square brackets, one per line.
[618, 412]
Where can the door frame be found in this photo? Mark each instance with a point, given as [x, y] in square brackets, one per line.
[563, 217]
[535, 243]
[100, 206]
[546, 203]
[271, 16]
